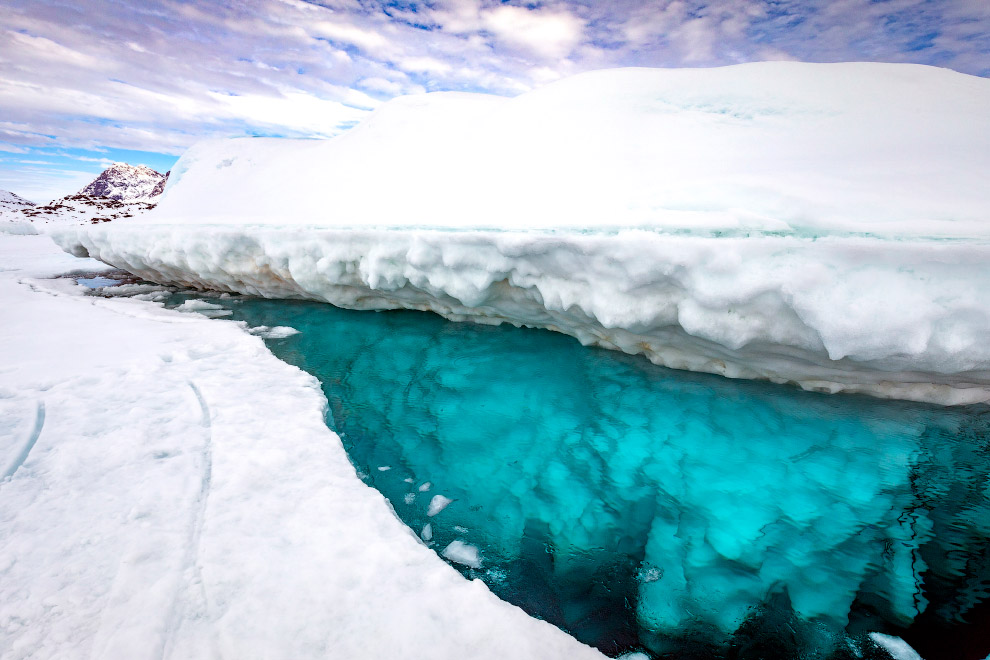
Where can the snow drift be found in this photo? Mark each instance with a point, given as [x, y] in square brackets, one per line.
[820, 224]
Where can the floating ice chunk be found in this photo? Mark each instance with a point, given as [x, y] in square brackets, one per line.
[384, 468]
[409, 498]
[460, 530]
[97, 282]
[427, 533]
[462, 553]
[895, 646]
[425, 487]
[277, 332]
[438, 504]
[135, 290]
[197, 306]
[205, 308]
[634, 655]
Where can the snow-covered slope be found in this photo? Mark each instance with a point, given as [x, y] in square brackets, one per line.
[84, 209]
[821, 224]
[11, 202]
[12, 220]
[126, 183]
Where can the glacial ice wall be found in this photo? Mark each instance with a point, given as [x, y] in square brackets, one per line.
[821, 224]
[906, 319]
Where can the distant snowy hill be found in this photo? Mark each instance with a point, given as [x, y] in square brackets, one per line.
[126, 183]
[12, 220]
[11, 202]
[120, 191]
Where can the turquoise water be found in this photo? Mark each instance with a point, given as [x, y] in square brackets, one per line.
[642, 508]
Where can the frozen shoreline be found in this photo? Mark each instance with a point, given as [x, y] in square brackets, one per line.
[173, 491]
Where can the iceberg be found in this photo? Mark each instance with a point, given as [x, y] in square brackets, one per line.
[824, 225]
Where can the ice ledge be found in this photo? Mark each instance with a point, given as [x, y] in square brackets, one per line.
[903, 319]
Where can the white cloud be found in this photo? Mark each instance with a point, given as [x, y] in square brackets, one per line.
[370, 41]
[427, 65]
[296, 111]
[387, 87]
[43, 185]
[545, 33]
[40, 49]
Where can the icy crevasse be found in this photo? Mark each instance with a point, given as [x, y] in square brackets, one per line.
[825, 225]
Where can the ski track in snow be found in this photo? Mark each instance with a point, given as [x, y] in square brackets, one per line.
[191, 601]
[28, 444]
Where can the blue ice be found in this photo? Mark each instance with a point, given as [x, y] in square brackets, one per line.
[643, 508]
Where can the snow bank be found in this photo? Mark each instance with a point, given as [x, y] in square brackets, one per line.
[822, 224]
[170, 490]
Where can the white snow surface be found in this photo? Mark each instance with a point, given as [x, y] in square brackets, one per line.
[820, 224]
[79, 209]
[170, 490]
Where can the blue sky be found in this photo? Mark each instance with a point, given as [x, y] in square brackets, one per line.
[83, 84]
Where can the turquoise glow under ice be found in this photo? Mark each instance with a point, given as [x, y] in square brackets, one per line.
[636, 506]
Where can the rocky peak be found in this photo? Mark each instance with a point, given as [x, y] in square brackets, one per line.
[126, 183]
[160, 186]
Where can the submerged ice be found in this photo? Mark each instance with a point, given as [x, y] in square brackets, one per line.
[636, 506]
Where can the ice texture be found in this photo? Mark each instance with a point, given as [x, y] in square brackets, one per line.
[591, 480]
[820, 224]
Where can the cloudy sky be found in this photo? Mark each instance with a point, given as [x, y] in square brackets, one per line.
[84, 83]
